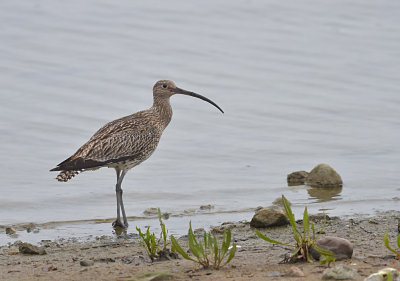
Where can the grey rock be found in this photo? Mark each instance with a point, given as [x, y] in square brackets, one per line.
[323, 175]
[10, 230]
[29, 249]
[341, 248]
[382, 275]
[270, 216]
[86, 263]
[206, 207]
[340, 272]
[151, 211]
[297, 178]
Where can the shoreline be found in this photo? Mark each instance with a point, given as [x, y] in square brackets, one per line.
[121, 258]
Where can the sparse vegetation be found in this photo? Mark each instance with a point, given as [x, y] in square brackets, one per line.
[386, 241]
[304, 241]
[150, 243]
[209, 252]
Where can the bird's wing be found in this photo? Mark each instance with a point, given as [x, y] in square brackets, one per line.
[123, 139]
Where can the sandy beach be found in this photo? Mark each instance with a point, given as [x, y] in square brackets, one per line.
[122, 258]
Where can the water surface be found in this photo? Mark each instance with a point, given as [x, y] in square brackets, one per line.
[300, 84]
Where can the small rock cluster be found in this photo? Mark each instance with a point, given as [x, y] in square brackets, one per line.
[322, 175]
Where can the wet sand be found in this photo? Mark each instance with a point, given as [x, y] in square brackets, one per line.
[121, 258]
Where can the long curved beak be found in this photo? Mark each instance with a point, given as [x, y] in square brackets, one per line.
[188, 93]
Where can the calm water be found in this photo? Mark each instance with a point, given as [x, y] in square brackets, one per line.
[300, 83]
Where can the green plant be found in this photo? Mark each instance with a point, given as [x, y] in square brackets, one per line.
[149, 241]
[164, 232]
[208, 251]
[386, 241]
[327, 259]
[304, 241]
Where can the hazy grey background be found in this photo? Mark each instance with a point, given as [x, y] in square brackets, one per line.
[301, 83]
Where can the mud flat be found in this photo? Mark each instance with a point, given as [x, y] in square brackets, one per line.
[122, 258]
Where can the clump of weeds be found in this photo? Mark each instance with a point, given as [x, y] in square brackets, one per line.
[208, 252]
[156, 248]
[305, 241]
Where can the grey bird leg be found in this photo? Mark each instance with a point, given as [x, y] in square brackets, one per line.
[120, 204]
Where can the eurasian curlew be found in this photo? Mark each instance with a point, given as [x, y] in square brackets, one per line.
[126, 142]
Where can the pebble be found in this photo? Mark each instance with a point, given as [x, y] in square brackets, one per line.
[86, 263]
[206, 207]
[340, 272]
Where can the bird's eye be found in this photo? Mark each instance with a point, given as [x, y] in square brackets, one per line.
[164, 86]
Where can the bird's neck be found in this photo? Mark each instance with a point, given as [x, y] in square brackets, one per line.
[163, 109]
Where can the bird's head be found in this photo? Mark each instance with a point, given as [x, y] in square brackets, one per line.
[164, 89]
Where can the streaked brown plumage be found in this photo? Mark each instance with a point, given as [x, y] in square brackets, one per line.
[126, 142]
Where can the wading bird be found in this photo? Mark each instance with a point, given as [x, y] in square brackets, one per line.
[126, 142]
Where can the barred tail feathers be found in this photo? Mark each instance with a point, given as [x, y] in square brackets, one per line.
[66, 175]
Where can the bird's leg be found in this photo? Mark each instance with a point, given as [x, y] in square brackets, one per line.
[121, 203]
[118, 222]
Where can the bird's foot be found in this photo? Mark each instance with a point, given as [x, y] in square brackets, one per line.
[118, 223]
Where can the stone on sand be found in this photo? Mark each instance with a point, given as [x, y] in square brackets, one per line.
[382, 275]
[340, 272]
[270, 216]
[86, 263]
[323, 175]
[340, 247]
[29, 249]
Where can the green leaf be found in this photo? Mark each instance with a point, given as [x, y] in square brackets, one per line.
[326, 259]
[226, 241]
[179, 249]
[306, 226]
[389, 276]
[231, 253]
[216, 251]
[313, 231]
[322, 251]
[291, 218]
[266, 238]
[386, 241]
[398, 241]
